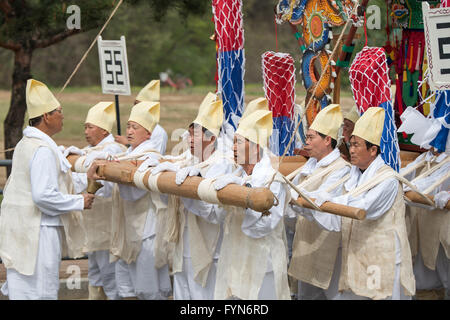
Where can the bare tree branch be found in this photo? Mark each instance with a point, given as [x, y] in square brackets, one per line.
[10, 45]
[56, 38]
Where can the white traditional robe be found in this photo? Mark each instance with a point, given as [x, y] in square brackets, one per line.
[185, 285]
[376, 202]
[307, 291]
[426, 278]
[265, 233]
[101, 272]
[141, 278]
[44, 282]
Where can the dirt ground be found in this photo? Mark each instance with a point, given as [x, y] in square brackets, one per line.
[178, 109]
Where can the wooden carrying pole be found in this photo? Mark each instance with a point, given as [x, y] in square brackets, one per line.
[258, 199]
[335, 208]
[415, 197]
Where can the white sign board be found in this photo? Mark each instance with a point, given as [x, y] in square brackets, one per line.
[437, 38]
[114, 66]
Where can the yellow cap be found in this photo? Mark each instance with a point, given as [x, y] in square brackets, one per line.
[210, 113]
[328, 121]
[256, 127]
[39, 99]
[256, 104]
[102, 115]
[352, 114]
[370, 126]
[150, 92]
[146, 113]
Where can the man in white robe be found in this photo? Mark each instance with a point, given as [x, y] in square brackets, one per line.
[97, 221]
[430, 226]
[253, 257]
[376, 256]
[315, 249]
[40, 218]
[134, 220]
[200, 228]
[151, 92]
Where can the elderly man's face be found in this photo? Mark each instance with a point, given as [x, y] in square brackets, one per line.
[202, 146]
[245, 151]
[136, 134]
[94, 134]
[360, 155]
[316, 146]
[54, 120]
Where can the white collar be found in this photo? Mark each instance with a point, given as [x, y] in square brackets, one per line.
[357, 177]
[261, 174]
[33, 132]
[144, 146]
[312, 163]
[108, 139]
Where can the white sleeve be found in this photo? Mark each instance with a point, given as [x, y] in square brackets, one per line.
[113, 149]
[426, 182]
[80, 181]
[159, 139]
[106, 190]
[412, 174]
[212, 213]
[44, 186]
[328, 221]
[255, 225]
[131, 193]
[208, 211]
[376, 202]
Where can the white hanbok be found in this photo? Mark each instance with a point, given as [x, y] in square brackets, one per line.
[307, 291]
[254, 225]
[426, 278]
[141, 278]
[101, 272]
[376, 202]
[185, 286]
[44, 283]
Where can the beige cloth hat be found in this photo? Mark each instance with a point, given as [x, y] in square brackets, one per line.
[256, 104]
[102, 115]
[328, 121]
[150, 92]
[146, 113]
[352, 114]
[39, 99]
[256, 127]
[210, 113]
[370, 126]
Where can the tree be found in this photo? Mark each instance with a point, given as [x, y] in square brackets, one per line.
[28, 25]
